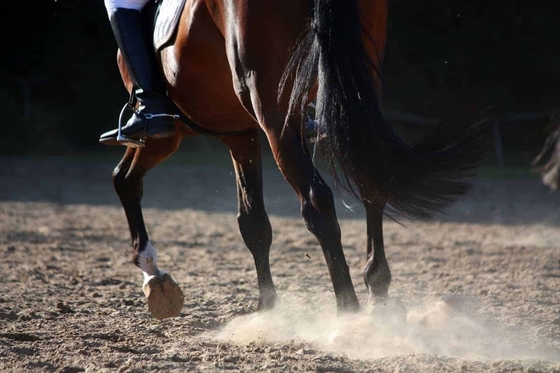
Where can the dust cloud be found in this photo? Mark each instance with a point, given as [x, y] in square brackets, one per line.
[437, 327]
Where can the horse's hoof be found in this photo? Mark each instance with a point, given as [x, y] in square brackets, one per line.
[165, 298]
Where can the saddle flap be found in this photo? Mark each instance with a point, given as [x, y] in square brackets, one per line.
[167, 15]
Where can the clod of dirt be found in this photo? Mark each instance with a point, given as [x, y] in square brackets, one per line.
[64, 308]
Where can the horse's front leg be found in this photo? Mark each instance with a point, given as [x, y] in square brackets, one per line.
[165, 298]
[254, 224]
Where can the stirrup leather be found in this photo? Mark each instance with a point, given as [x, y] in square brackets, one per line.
[150, 115]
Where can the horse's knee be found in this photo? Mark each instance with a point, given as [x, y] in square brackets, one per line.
[119, 175]
[124, 182]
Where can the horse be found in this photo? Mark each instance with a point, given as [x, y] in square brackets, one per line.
[238, 67]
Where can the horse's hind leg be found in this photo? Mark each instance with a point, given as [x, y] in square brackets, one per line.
[258, 54]
[377, 275]
[317, 209]
[165, 298]
[252, 218]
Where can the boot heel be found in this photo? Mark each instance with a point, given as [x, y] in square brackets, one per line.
[162, 135]
[161, 131]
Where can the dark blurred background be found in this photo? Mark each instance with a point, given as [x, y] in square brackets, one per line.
[445, 58]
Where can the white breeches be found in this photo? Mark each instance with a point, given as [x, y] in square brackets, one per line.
[112, 5]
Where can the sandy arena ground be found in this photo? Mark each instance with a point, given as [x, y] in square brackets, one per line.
[481, 284]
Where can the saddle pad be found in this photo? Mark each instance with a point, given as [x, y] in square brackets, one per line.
[167, 17]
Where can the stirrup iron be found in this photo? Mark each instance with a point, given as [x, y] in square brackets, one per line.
[125, 140]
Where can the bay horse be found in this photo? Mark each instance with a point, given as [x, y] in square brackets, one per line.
[237, 67]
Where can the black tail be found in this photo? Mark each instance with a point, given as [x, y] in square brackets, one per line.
[362, 150]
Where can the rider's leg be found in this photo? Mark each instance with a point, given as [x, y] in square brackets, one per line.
[154, 117]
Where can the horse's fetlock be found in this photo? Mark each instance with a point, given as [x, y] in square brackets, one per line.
[377, 278]
[146, 259]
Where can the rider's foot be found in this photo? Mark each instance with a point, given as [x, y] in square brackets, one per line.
[155, 118]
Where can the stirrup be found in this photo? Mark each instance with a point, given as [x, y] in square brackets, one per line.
[123, 139]
[311, 129]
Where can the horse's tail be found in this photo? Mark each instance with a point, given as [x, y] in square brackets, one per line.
[364, 153]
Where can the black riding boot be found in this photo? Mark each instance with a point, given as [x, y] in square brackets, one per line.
[155, 114]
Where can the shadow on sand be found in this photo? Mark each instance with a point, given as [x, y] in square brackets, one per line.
[211, 188]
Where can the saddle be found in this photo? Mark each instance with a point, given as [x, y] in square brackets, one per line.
[166, 15]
